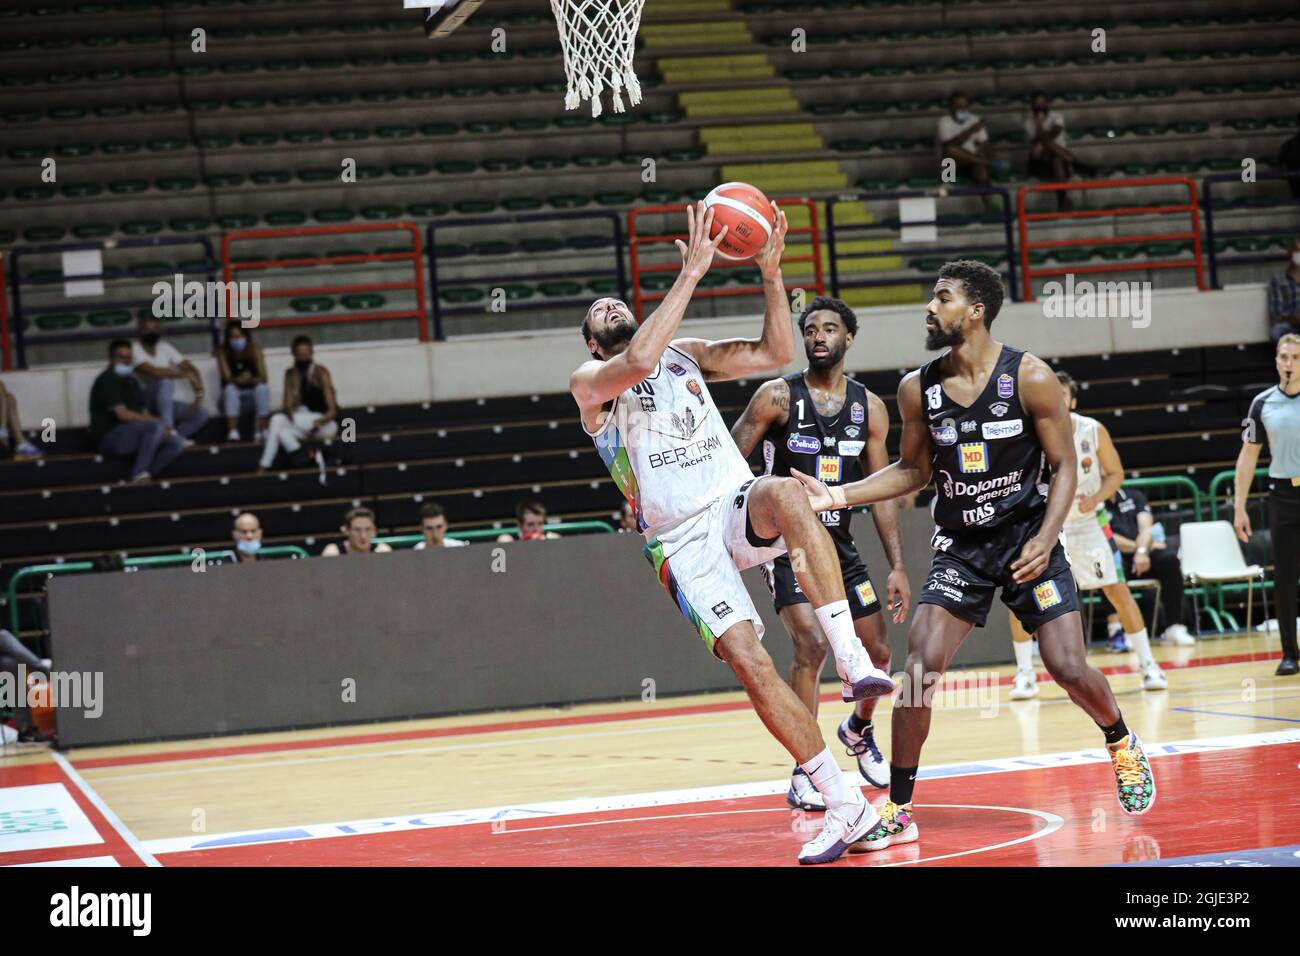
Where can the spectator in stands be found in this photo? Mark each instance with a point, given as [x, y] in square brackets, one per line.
[309, 407]
[531, 516]
[433, 525]
[627, 520]
[11, 429]
[159, 366]
[962, 137]
[243, 380]
[1049, 160]
[1284, 297]
[247, 535]
[1288, 158]
[1146, 556]
[359, 527]
[119, 424]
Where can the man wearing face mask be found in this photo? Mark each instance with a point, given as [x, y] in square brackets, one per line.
[1284, 297]
[159, 366]
[309, 406]
[119, 424]
[963, 138]
[247, 535]
[1049, 160]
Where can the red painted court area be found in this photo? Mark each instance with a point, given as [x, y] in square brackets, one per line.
[1060, 816]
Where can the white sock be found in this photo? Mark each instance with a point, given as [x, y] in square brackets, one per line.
[837, 624]
[1024, 655]
[830, 781]
[1139, 642]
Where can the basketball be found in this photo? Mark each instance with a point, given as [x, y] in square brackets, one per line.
[748, 215]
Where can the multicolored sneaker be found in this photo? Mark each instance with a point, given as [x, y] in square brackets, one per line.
[1135, 785]
[897, 825]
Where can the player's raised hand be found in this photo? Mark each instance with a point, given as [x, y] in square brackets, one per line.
[769, 257]
[697, 252]
[1033, 560]
[821, 496]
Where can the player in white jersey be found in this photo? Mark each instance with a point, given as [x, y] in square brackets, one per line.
[1090, 546]
[645, 401]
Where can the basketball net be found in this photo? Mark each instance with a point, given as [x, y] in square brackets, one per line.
[599, 40]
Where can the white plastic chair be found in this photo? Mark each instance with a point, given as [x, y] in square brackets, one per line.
[1211, 554]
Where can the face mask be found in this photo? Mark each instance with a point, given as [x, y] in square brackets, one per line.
[123, 370]
[962, 117]
[302, 365]
[150, 339]
[247, 546]
[238, 344]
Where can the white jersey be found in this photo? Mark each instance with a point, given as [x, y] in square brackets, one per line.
[1089, 466]
[667, 447]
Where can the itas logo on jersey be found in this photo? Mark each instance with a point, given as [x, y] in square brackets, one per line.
[675, 368]
[974, 457]
[1046, 595]
[804, 444]
[995, 430]
[857, 414]
[1006, 385]
[943, 434]
[866, 594]
[828, 468]
[977, 515]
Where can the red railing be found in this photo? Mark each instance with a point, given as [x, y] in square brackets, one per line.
[1190, 207]
[635, 242]
[416, 256]
[5, 361]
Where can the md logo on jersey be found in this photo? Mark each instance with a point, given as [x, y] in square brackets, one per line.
[943, 434]
[857, 414]
[1046, 595]
[1006, 385]
[828, 468]
[804, 444]
[974, 457]
[866, 594]
[994, 430]
[693, 387]
[675, 368]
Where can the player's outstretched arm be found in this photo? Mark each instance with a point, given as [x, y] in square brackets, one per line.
[770, 406]
[594, 383]
[1040, 394]
[735, 358]
[910, 473]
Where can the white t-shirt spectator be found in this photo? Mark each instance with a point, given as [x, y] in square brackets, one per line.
[1053, 119]
[446, 542]
[165, 355]
[949, 127]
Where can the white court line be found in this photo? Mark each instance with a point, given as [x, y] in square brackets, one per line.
[127, 836]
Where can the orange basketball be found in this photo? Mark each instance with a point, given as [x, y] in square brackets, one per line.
[748, 215]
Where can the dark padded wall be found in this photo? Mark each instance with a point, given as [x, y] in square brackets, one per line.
[240, 648]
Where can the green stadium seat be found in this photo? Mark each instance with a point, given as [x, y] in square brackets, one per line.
[455, 167]
[406, 170]
[427, 210]
[332, 216]
[502, 165]
[58, 322]
[320, 174]
[568, 200]
[304, 137]
[92, 230]
[176, 184]
[362, 301]
[517, 290]
[141, 227]
[603, 286]
[109, 318]
[237, 221]
[271, 177]
[190, 224]
[560, 288]
[439, 129]
[548, 162]
[540, 244]
[494, 247]
[522, 204]
[349, 134]
[462, 295]
[381, 212]
[128, 186]
[312, 304]
[285, 218]
[120, 147]
[475, 207]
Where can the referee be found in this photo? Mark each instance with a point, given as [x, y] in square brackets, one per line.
[1275, 415]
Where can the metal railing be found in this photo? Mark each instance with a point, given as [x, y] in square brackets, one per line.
[1222, 477]
[836, 233]
[1176, 481]
[1211, 236]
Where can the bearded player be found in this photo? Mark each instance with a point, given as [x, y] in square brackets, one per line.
[982, 419]
[645, 401]
[830, 425]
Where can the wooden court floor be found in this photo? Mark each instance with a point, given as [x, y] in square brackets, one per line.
[686, 781]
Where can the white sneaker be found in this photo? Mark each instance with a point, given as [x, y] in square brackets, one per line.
[860, 679]
[1178, 634]
[1153, 678]
[803, 795]
[871, 762]
[844, 825]
[233, 435]
[1025, 687]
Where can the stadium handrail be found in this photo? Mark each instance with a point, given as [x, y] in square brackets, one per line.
[1218, 480]
[1180, 481]
[1207, 204]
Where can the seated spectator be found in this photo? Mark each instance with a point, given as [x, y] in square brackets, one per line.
[359, 526]
[627, 522]
[531, 516]
[1146, 556]
[1288, 161]
[159, 366]
[309, 407]
[243, 380]
[433, 525]
[119, 425]
[963, 137]
[247, 535]
[1049, 160]
[1284, 297]
[11, 429]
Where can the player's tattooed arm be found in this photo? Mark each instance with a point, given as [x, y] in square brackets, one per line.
[769, 406]
[1040, 394]
[910, 473]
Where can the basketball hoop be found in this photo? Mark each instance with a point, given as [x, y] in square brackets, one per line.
[599, 40]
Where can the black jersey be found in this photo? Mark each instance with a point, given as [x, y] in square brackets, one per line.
[826, 448]
[988, 463]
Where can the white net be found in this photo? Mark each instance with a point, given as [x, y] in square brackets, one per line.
[599, 40]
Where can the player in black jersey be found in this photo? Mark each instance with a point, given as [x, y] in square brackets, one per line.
[825, 423]
[982, 420]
